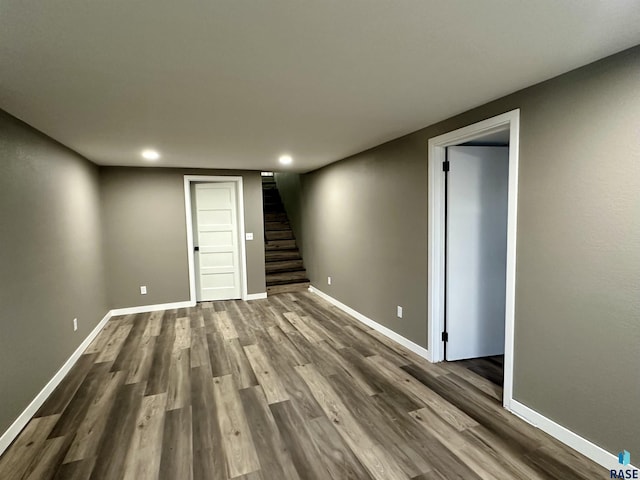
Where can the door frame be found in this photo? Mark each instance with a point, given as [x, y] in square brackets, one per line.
[436, 235]
[188, 180]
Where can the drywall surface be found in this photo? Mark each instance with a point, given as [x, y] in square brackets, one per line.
[145, 234]
[51, 258]
[577, 325]
[290, 193]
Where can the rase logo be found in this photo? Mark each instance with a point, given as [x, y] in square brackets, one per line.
[624, 459]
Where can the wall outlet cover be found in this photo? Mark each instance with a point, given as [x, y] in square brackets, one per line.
[399, 312]
[328, 280]
[248, 236]
[143, 289]
[75, 324]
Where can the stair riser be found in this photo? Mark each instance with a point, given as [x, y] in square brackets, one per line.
[274, 256]
[275, 217]
[270, 194]
[276, 226]
[271, 283]
[280, 235]
[295, 287]
[281, 245]
[286, 277]
[286, 266]
[285, 270]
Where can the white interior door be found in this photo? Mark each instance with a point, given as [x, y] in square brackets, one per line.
[477, 198]
[217, 256]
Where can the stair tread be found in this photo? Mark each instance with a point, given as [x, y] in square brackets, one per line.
[279, 235]
[276, 226]
[294, 287]
[280, 245]
[283, 263]
[286, 282]
[284, 266]
[284, 278]
[300, 273]
[275, 255]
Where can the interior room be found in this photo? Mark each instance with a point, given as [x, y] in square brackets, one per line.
[476, 238]
[292, 240]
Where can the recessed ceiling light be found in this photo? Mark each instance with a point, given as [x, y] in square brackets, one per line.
[286, 159]
[150, 155]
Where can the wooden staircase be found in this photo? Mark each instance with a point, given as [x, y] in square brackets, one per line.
[283, 264]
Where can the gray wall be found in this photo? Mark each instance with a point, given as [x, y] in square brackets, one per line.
[289, 188]
[50, 253]
[145, 233]
[365, 226]
[577, 330]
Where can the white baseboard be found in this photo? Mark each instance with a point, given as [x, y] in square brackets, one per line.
[387, 332]
[14, 430]
[151, 308]
[256, 296]
[566, 436]
[24, 418]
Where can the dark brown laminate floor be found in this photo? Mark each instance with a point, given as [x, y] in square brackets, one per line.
[491, 368]
[283, 388]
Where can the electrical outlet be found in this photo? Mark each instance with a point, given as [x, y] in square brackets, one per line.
[399, 313]
[328, 280]
[143, 289]
[248, 236]
[75, 324]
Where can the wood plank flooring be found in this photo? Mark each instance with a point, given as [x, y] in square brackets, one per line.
[284, 388]
[491, 368]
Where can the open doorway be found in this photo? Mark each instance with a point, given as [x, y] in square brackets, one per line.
[476, 200]
[472, 232]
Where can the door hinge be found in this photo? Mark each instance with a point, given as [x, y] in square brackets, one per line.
[445, 166]
[445, 336]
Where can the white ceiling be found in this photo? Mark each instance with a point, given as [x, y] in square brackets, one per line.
[234, 84]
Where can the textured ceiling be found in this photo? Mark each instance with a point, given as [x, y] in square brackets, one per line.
[234, 84]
